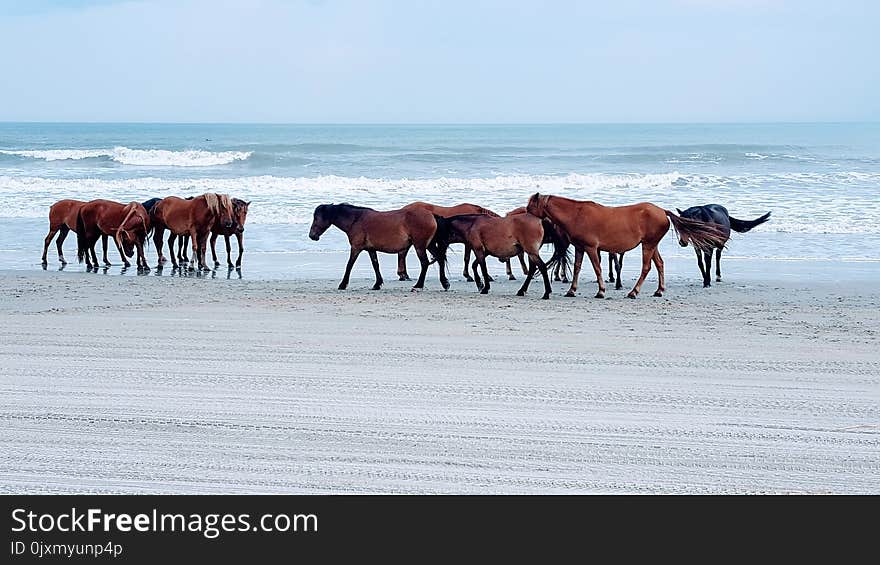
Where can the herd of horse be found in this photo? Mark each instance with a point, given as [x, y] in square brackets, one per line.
[563, 223]
[130, 225]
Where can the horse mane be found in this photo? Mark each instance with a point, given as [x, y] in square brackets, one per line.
[347, 206]
[218, 202]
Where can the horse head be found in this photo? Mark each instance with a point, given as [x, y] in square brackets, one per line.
[240, 210]
[129, 231]
[537, 205]
[321, 220]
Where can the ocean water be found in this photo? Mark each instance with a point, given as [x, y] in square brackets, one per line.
[821, 181]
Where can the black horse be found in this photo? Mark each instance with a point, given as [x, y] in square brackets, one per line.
[717, 214]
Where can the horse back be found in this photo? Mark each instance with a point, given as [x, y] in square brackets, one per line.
[64, 212]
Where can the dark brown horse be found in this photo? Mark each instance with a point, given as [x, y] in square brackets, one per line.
[194, 218]
[239, 214]
[617, 229]
[387, 232]
[62, 219]
[128, 224]
[718, 215]
[448, 212]
[503, 238]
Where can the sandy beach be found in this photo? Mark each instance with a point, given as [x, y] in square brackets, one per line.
[199, 385]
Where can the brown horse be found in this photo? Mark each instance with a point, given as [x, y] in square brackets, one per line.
[503, 238]
[194, 218]
[62, 219]
[129, 224]
[617, 229]
[448, 212]
[389, 232]
[239, 214]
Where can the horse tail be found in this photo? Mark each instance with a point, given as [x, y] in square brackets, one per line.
[742, 226]
[704, 236]
[561, 243]
[81, 243]
[439, 244]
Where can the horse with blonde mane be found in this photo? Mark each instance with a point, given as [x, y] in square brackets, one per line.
[193, 217]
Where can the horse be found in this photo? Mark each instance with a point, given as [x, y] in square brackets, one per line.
[717, 214]
[504, 238]
[389, 232]
[617, 229]
[62, 219]
[559, 274]
[129, 224]
[193, 217]
[448, 212]
[239, 213]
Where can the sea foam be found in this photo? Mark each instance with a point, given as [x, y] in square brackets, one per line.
[139, 157]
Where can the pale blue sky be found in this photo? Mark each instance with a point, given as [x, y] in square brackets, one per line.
[442, 61]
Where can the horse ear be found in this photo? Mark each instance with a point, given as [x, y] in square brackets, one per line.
[248, 203]
[679, 211]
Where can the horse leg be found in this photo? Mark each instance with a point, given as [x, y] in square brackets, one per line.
[228, 251]
[522, 263]
[647, 256]
[48, 241]
[352, 257]
[374, 258]
[104, 249]
[203, 252]
[240, 239]
[543, 268]
[610, 266]
[175, 256]
[509, 271]
[661, 273]
[94, 256]
[718, 265]
[619, 262]
[62, 235]
[467, 259]
[214, 249]
[477, 280]
[197, 258]
[525, 286]
[141, 258]
[157, 241]
[423, 260]
[593, 253]
[707, 276]
[183, 249]
[481, 257]
[402, 275]
[700, 264]
[578, 259]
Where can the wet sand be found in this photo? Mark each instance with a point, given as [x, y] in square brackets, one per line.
[197, 385]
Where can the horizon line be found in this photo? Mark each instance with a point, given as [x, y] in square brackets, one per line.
[525, 123]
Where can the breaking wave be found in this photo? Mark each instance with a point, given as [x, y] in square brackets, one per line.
[138, 157]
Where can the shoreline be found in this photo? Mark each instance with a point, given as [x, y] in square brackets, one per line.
[164, 385]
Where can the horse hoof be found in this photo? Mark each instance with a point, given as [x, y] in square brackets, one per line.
[404, 278]
[717, 279]
[618, 286]
[658, 294]
[521, 293]
[491, 279]
[631, 295]
[511, 278]
[484, 291]
[706, 285]
[376, 287]
[545, 297]
[342, 287]
[600, 294]
[445, 285]
[569, 294]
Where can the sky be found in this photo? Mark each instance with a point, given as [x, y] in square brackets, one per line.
[446, 61]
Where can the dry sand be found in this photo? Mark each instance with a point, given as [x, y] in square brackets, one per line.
[181, 385]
